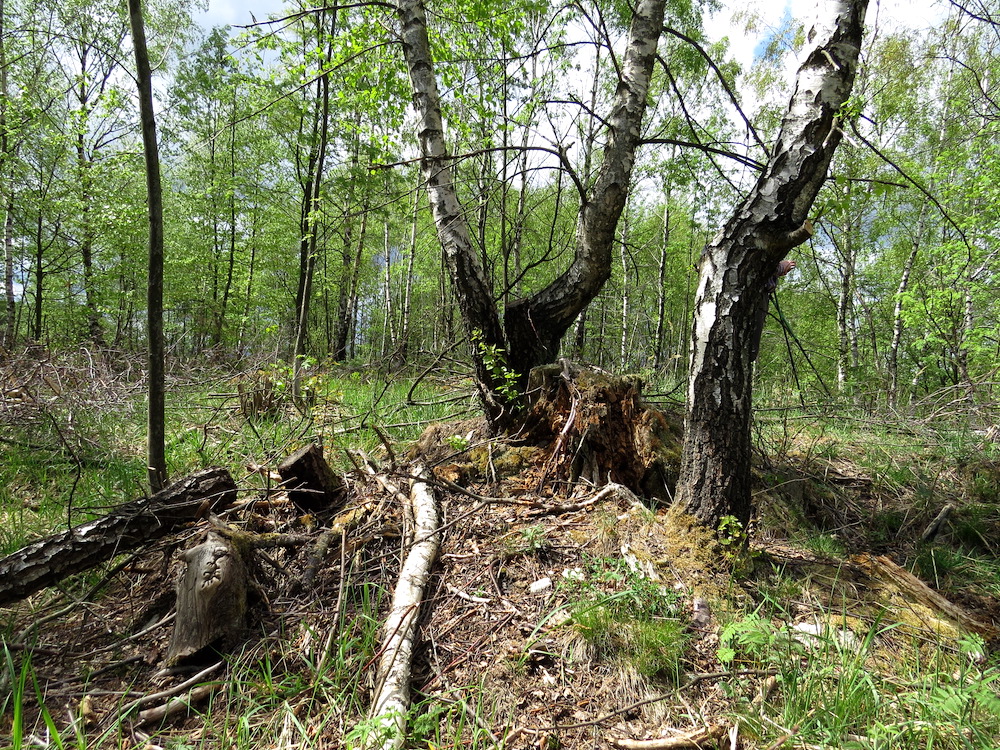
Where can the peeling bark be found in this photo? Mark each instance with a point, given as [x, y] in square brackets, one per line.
[533, 326]
[736, 266]
[211, 599]
[49, 560]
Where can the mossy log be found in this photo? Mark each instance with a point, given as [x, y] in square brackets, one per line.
[128, 526]
[598, 427]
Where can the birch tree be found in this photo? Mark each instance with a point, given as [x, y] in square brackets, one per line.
[738, 263]
[529, 331]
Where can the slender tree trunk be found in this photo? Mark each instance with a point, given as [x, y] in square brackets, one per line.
[892, 397]
[737, 265]
[623, 357]
[309, 245]
[390, 321]
[39, 278]
[352, 299]
[845, 308]
[10, 314]
[94, 328]
[661, 288]
[156, 462]
[403, 344]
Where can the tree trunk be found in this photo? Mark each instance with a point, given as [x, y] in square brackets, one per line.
[846, 333]
[536, 324]
[156, 461]
[623, 348]
[737, 265]
[661, 288]
[6, 151]
[403, 344]
[10, 314]
[309, 246]
[49, 560]
[892, 365]
[533, 326]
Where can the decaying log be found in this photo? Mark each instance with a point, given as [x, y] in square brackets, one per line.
[211, 598]
[53, 558]
[311, 483]
[901, 594]
[912, 590]
[392, 698]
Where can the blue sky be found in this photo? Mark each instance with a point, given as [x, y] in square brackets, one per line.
[236, 12]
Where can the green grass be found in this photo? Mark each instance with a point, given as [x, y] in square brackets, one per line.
[94, 456]
[861, 686]
[627, 618]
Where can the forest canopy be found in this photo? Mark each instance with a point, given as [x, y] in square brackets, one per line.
[290, 154]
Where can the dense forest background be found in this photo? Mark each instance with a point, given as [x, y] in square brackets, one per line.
[290, 172]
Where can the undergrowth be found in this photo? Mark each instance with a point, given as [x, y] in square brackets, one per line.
[845, 681]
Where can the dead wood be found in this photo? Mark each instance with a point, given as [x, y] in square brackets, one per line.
[598, 428]
[128, 526]
[311, 483]
[177, 705]
[696, 738]
[392, 698]
[211, 598]
[904, 596]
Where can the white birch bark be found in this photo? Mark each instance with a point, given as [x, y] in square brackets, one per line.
[532, 326]
[392, 700]
[737, 264]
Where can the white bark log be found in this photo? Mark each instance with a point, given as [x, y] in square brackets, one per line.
[392, 700]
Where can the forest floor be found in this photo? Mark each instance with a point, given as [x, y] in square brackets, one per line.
[560, 614]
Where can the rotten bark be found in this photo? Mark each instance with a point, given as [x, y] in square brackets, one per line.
[736, 266]
[311, 483]
[49, 560]
[211, 598]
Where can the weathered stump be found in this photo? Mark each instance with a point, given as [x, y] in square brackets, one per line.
[211, 599]
[597, 427]
[128, 526]
[312, 484]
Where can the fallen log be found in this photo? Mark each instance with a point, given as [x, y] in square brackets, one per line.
[392, 696]
[128, 526]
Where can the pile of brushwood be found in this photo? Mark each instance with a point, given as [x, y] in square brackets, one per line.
[515, 592]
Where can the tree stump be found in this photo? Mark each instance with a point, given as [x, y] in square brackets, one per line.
[312, 485]
[597, 427]
[211, 599]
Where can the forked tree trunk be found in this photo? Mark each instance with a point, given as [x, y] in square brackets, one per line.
[737, 264]
[533, 326]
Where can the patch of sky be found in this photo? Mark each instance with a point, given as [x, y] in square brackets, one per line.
[780, 37]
